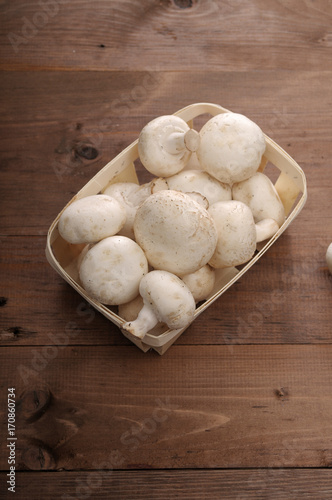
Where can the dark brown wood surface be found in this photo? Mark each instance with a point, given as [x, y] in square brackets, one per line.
[241, 405]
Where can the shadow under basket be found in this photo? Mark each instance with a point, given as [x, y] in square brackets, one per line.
[287, 176]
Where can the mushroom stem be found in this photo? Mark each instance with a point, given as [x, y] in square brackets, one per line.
[178, 141]
[145, 320]
[192, 140]
[265, 229]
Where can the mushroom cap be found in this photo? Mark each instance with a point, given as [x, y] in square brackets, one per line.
[236, 233]
[91, 219]
[152, 146]
[201, 182]
[129, 195]
[231, 147]
[130, 310]
[201, 282]
[259, 193]
[169, 298]
[112, 269]
[176, 233]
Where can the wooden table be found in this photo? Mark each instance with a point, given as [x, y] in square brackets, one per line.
[241, 405]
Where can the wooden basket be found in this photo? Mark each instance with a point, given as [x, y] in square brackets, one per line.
[290, 184]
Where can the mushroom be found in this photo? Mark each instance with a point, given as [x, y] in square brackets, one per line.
[176, 233]
[198, 181]
[129, 195]
[112, 269]
[329, 257]
[165, 145]
[236, 233]
[90, 219]
[201, 282]
[265, 229]
[231, 147]
[259, 193]
[167, 299]
[129, 310]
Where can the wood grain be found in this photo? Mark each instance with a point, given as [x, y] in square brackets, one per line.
[41, 170]
[196, 407]
[261, 484]
[45, 127]
[158, 34]
[240, 407]
[278, 301]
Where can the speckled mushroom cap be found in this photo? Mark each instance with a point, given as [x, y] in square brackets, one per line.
[92, 218]
[176, 233]
[201, 182]
[112, 269]
[231, 147]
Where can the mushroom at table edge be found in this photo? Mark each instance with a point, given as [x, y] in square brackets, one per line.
[167, 299]
[165, 145]
[329, 257]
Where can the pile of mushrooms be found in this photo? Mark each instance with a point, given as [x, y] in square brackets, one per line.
[153, 250]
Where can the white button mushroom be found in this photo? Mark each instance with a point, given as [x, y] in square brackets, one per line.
[265, 229]
[259, 193]
[236, 233]
[129, 195]
[176, 233]
[165, 145]
[201, 282]
[91, 219]
[112, 269]
[129, 310]
[166, 299]
[329, 257]
[188, 181]
[231, 147]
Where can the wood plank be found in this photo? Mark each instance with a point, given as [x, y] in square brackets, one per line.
[38, 307]
[233, 35]
[53, 115]
[275, 302]
[254, 484]
[279, 300]
[196, 407]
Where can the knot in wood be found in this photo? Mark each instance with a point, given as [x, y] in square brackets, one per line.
[33, 403]
[38, 457]
[183, 4]
[86, 151]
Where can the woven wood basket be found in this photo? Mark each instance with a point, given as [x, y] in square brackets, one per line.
[290, 184]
